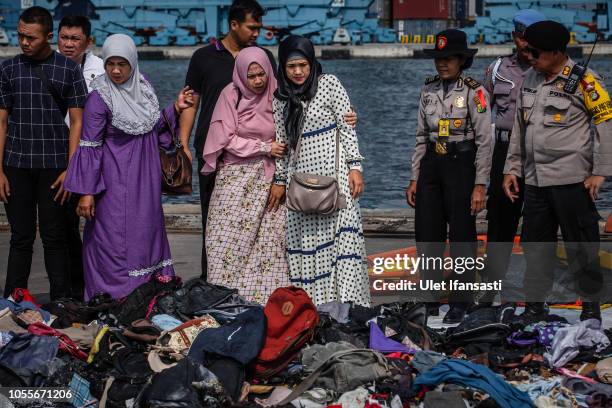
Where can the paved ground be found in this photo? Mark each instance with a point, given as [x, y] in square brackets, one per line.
[186, 250]
[186, 254]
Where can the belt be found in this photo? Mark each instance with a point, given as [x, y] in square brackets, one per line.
[502, 135]
[451, 147]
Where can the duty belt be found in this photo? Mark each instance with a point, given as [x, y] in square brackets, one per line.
[444, 148]
[502, 135]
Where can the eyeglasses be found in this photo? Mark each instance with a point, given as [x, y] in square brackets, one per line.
[533, 51]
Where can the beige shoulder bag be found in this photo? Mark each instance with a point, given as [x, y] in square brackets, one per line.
[313, 194]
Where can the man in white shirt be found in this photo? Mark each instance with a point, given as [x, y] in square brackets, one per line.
[74, 38]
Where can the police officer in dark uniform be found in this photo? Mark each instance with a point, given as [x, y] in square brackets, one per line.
[451, 163]
[503, 80]
[563, 166]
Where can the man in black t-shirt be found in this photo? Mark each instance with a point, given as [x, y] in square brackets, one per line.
[210, 70]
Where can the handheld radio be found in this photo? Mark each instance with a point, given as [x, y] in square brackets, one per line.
[577, 73]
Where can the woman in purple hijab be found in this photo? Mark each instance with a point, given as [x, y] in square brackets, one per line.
[117, 170]
[245, 235]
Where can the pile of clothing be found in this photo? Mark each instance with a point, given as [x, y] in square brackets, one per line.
[170, 344]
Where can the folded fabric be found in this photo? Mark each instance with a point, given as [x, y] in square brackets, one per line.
[66, 344]
[156, 363]
[24, 305]
[28, 317]
[578, 386]
[8, 324]
[29, 357]
[437, 399]
[277, 396]
[80, 391]
[197, 295]
[542, 387]
[604, 370]
[180, 338]
[83, 335]
[336, 310]
[379, 342]
[424, 361]
[476, 376]
[317, 354]
[241, 339]
[5, 337]
[569, 340]
[356, 398]
[181, 386]
[166, 322]
[344, 371]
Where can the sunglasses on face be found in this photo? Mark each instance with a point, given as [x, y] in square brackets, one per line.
[533, 51]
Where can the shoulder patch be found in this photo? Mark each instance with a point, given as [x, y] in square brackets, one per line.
[431, 79]
[471, 82]
[596, 99]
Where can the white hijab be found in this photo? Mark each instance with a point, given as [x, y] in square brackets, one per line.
[134, 105]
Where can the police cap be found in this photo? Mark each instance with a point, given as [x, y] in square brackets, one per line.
[526, 17]
[547, 36]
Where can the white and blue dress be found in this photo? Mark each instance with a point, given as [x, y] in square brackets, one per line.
[326, 253]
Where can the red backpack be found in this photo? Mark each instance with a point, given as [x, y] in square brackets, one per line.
[292, 321]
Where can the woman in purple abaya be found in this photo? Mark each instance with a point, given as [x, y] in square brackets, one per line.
[117, 171]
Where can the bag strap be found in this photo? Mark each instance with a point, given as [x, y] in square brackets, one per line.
[61, 104]
[175, 139]
[310, 380]
[299, 143]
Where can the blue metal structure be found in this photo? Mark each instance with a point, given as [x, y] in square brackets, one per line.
[583, 18]
[189, 22]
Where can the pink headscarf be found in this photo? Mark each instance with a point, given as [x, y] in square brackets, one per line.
[252, 121]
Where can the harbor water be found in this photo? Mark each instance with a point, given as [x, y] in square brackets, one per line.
[385, 93]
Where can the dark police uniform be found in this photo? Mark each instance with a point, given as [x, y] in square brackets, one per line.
[503, 80]
[452, 155]
[553, 150]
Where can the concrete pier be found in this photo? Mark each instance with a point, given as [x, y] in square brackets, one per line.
[373, 51]
[395, 222]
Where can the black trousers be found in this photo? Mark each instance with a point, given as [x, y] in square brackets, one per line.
[75, 249]
[442, 211]
[207, 184]
[31, 191]
[503, 218]
[570, 208]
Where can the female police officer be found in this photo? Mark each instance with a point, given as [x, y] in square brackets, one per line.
[450, 166]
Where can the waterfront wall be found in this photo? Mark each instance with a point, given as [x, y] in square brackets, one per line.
[186, 218]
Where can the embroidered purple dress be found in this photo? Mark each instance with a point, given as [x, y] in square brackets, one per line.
[126, 242]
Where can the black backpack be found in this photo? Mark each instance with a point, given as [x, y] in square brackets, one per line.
[137, 304]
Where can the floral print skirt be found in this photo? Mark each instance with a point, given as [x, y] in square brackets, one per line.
[245, 243]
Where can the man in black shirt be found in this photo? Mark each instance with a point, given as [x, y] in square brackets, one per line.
[210, 70]
[37, 89]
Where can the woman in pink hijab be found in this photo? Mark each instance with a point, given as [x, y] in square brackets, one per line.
[245, 237]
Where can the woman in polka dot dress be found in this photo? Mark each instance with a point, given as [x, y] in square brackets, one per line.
[326, 253]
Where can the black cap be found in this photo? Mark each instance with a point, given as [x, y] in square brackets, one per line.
[547, 36]
[450, 42]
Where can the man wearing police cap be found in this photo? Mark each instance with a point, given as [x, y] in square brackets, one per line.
[451, 164]
[503, 80]
[562, 165]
